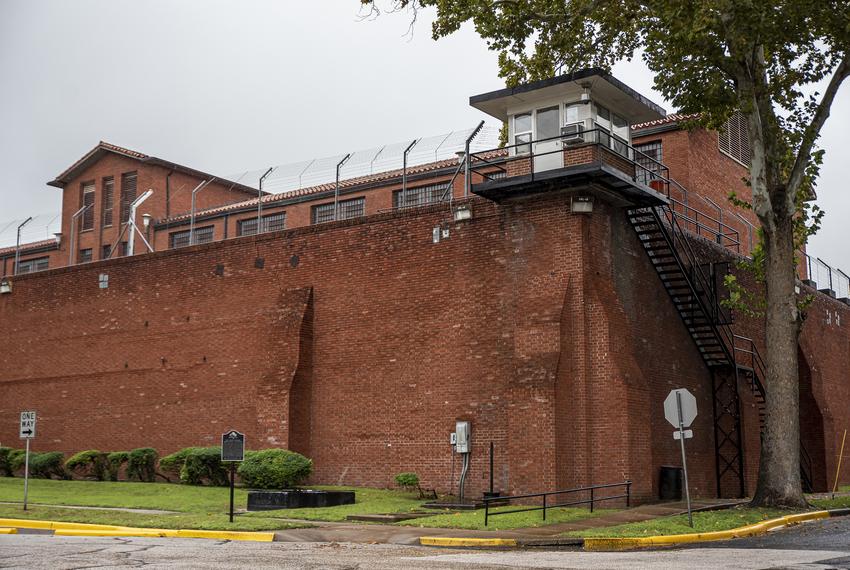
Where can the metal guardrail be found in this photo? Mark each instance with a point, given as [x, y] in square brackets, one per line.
[824, 276]
[591, 500]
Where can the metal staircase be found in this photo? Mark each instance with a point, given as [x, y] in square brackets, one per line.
[693, 287]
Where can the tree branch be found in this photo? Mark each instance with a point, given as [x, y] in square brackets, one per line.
[814, 128]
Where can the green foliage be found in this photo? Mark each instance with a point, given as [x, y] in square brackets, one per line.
[173, 463]
[48, 465]
[274, 469]
[5, 463]
[204, 464]
[196, 466]
[89, 463]
[116, 460]
[409, 481]
[141, 464]
[17, 457]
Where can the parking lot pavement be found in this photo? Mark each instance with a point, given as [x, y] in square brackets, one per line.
[75, 553]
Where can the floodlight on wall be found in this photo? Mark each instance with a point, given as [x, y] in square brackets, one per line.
[5, 285]
[146, 221]
[581, 204]
[462, 212]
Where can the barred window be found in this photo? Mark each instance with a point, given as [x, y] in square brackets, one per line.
[271, 223]
[108, 200]
[734, 139]
[649, 157]
[85, 256]
[31, 265]
[181, 239]
[128, 194]
[419, 196]
[88, 204]
[347, 209]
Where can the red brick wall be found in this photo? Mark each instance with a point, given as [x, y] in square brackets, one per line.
[362, 342]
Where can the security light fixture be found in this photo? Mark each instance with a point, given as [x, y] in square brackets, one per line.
[5, 285]
[581, 204]
[462, 212]
[146, 221]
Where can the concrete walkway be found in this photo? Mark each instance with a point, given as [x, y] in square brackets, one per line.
[392, 534]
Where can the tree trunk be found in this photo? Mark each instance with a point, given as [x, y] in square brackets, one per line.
[779, 473]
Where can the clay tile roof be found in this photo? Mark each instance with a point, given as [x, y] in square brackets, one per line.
[104, 147]
[671, 119]
[25, 247]
[348, 183]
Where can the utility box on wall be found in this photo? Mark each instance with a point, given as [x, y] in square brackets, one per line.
[463, 437]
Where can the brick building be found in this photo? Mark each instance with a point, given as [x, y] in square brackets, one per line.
[551, 293]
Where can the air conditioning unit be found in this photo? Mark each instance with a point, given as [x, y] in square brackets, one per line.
[572, 134]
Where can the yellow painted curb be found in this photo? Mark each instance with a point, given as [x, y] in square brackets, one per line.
[8, 531]
[740, 532]
[84, 529]
[55, 525]
[456, 541]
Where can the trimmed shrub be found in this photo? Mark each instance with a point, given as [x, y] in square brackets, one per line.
[204, 464]
[17, 457]
[116, 461]
[408, 481]
[47, 465]
[90, 463]
[196, 466]
[141, 465]
[5, 464]
[173, 463]
[274, 469]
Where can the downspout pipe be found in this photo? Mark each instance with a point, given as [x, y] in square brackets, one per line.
[339, 165]
[404, 173]
[18, 244]
[260, 201]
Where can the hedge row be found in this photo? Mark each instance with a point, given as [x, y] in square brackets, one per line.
[265, 469]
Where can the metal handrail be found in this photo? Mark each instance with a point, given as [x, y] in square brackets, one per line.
[627, 495]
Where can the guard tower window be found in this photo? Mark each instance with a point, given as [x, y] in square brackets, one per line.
[88, 204]
[734, 139]
[522, 133]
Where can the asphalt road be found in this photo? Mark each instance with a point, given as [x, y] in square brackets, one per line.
[818, 545]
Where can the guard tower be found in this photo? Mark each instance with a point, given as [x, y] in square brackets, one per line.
[567, 131]
[571, 134]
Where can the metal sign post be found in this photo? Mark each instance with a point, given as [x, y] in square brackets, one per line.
[680, 409]
[232, 450]
[27, 432]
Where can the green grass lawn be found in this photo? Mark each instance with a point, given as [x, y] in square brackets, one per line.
[836, 503]
[368, 501]
[198, 507]
[474, 520]
[706, 521]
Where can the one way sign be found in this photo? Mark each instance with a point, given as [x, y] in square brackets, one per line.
[28, 425]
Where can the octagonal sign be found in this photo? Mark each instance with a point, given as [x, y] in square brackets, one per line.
[689, 408]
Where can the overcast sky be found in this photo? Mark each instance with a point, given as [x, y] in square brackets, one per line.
[232, 86]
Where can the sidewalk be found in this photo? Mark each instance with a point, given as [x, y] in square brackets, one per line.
[391, 534]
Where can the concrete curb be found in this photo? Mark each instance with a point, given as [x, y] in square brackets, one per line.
[83, 529]
[461, 541]
[630, 543]
[740, 532]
